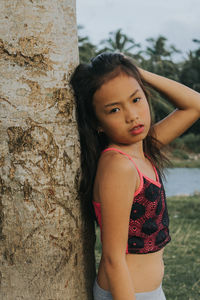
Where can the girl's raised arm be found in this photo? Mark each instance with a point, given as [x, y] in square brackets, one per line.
[185, 99]
[117, 183]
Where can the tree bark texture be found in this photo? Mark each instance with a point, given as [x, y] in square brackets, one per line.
[46, 244]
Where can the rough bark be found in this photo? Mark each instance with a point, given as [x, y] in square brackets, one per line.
[46, 244]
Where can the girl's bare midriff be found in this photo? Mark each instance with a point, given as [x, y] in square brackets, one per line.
[146, 271]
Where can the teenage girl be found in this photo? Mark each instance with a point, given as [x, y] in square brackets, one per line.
[122, 165]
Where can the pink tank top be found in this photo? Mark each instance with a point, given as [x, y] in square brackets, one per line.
[149, 221]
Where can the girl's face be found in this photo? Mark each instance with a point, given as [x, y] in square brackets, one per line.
[122, 110]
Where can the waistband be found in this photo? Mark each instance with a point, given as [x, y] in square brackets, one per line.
[155, 294]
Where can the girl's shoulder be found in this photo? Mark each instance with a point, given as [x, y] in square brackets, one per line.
[114, 162]
[115, 173]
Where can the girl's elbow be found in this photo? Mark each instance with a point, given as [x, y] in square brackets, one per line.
[199, 109]
[197, 112]
[113, 260]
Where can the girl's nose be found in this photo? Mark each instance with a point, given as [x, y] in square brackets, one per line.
[130, 116]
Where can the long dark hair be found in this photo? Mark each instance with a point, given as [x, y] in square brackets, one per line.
[86, 80]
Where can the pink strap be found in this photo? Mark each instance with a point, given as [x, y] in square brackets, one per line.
[139, 172]
[115, 149]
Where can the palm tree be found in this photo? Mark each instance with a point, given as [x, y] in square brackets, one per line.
[119, 41]
[190, 76]
[158, 58]
[158, 49]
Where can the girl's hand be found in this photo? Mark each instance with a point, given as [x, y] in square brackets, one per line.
[185, 99]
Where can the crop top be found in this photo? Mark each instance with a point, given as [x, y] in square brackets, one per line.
[149, 222]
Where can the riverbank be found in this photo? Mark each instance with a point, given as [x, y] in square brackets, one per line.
[183, 159]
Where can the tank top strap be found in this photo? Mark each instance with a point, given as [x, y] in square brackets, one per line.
[117, 150]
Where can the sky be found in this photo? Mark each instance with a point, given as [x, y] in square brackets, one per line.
[177, 20]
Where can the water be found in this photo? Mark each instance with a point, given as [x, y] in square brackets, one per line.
[182, 181]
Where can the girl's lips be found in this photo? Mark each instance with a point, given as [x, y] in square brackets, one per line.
[137, 129]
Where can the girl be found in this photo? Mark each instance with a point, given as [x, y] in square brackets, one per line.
[121, 170]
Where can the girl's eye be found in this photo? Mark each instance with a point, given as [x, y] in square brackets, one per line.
[136, 100]
[114, 110]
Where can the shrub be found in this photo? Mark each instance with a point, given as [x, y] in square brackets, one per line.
[192, 142]
[180, 154]
[188, 142]
[178, 143]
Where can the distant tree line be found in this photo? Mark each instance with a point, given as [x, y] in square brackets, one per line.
[157, 57]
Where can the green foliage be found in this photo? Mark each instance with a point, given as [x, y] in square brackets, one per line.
[190, 76]
[158, 48]
[159, 58]
[190, 73]
[178, 143]
[192, 142]
[180, 154]
[188, 142]
[190, 163]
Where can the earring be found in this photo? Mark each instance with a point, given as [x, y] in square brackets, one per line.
[99, 131]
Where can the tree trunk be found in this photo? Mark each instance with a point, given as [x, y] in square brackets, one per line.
[46, 244]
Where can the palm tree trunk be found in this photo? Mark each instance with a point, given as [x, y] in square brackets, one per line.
[43, 234]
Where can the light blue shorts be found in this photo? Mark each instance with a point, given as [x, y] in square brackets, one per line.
[101, 294]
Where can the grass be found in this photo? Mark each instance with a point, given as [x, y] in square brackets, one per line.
[182, 254]
[185, 163]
